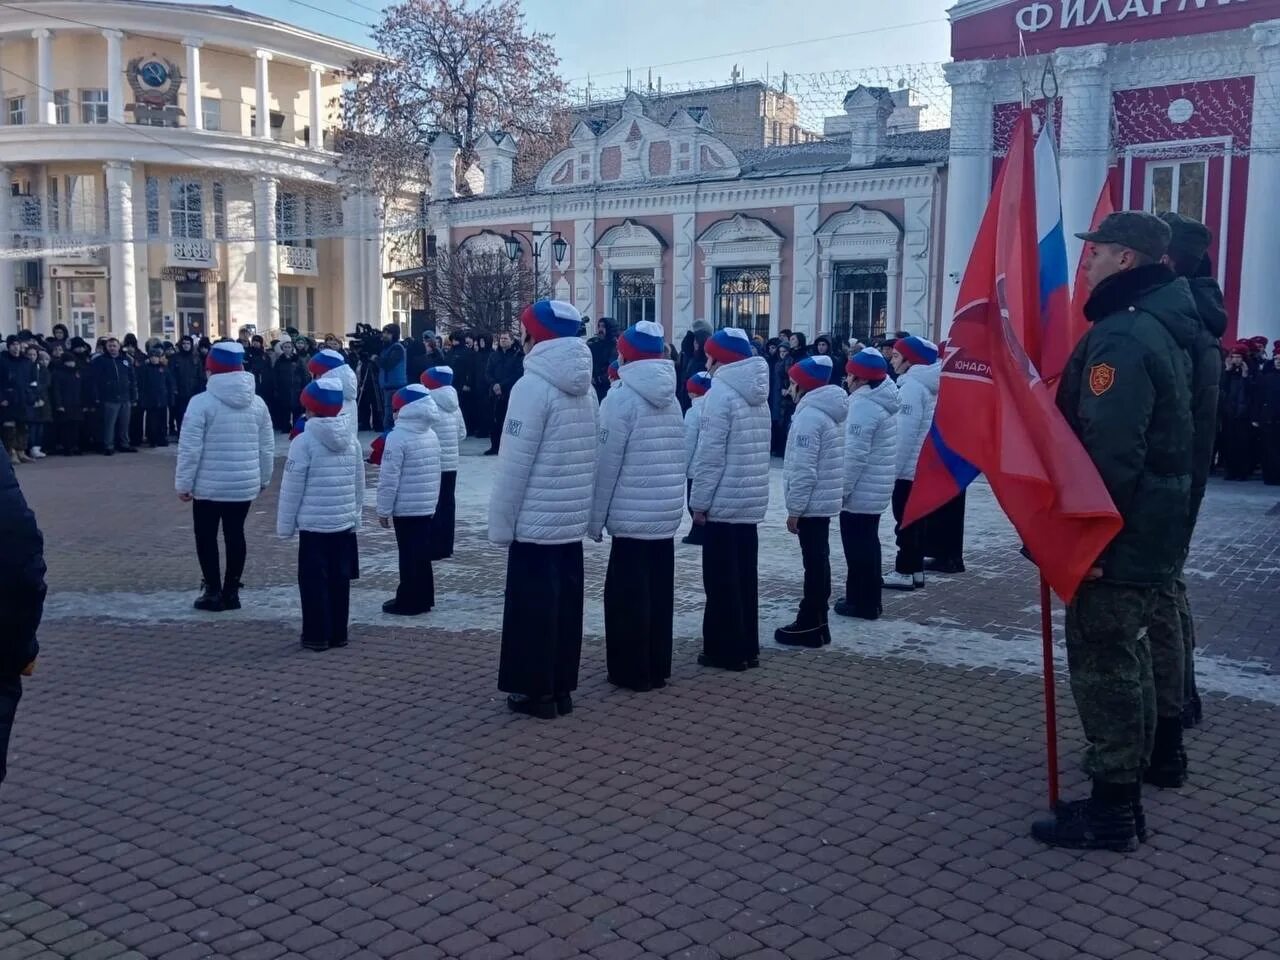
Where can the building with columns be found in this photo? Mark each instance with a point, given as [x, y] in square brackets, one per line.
[664, 221]
[168, 169]
[1181, 97]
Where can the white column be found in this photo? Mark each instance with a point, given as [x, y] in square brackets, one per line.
[4, 106]
[893, 279]
[606, 305]
[804, 271]
[968, 172]
[374, 286]
[195, 115]
[44, 75]
[659, 284]
[1086, 139]
[682, 237]
[352, 272]
[1259, 278]
[775, 299]
[317, 111]
[584, 268]
[115, 75]
[827, 315]
[266, 267]
[8, 313]
[124, 290]
[263, 101]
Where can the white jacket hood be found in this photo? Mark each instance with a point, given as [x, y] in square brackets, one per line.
[748, 378]
[885, 395]
[419, 416]
[446, 399]
[234, 389]
[347, 374]
[565, 363]
[929, 377]
[655, 380]
[831, 400]
[333, 432]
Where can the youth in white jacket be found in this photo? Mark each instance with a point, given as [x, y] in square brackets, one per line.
[870, 461]
[451, 430]
[639, 499]
[321, 498]
[811, 481]
[226, 452]
[408, 489]
[539, 509]
[730, 496]
[919, 375]
[697, 387]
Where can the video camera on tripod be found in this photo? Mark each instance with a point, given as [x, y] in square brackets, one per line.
[366, 342]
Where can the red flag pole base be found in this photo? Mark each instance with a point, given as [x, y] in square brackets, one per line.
[1050, 701]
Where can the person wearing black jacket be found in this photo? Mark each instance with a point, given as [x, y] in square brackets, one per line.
[188, 378]
[22, 591]
[1235, 412]
[114, 387]
[505, 367]
[130, 351]
[604, 350]
[288, 377]
[155, 396]
[1266, 400]
[461, 358]
[17, 399]
[258, 363]
[66, 397]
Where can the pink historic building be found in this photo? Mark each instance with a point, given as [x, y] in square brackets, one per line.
[1181, 96]
[664, 221]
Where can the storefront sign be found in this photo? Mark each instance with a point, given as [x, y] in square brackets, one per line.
[191, 253]
[78, 273]
[1070, 14]
[188, 275]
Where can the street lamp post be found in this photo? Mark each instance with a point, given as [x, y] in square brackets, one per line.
[537, 239]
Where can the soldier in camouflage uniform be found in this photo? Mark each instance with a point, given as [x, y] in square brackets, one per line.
[1126, 394]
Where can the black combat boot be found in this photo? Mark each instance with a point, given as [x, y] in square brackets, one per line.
[210, 599]
[231, 595]
[1067, 809]
[1168, 768]
[1103, 822]
[795, 635]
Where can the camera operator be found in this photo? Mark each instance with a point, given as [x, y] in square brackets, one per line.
[363, 348]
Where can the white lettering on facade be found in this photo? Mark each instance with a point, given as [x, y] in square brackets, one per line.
[1135, 7]
[1104, 7]
[1034, 17]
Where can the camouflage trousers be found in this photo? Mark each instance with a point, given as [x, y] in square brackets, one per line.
[1109, 656]
[1172, 648]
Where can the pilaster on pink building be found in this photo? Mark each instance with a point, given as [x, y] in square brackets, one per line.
[666, 221]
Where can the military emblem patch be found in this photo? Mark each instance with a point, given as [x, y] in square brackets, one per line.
[1101, 378]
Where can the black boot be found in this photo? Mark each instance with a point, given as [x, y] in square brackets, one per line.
[1168, 768]
[1192, 712]
[1104, 822]
[794, 635]
[210, 600]
[1067, 809]
[544, 708]
[231, 595]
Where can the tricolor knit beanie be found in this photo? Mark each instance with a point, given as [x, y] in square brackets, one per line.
[641, 341]
[811, 372]
[435, 377]
[729, 346]
[867, 364]
[323, 398]
[225, 357]
[551, 319]
[917, 350]
[613, 370]
[699, 384]
[324, 362]
[407, 395]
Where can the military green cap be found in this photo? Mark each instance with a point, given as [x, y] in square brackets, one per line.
[1143, 232]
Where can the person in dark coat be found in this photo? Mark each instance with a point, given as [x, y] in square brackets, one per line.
[113, 384]
[258, 363]
[288, 377]
[483, 399]
[416, 357]
[65, 400]
[1235, 414]
[188, 379]
[155, 397]
[90, 432]
[504, 368]
[1267, 413]
[22, 591]
[41, 420]
[461, 358]
[136, 357]
[17, 399]
[604, 350]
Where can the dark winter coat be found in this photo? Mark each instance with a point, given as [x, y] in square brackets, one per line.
[1266, 397]
[22, 572]
[393, 364]
[463, 363]
[504, 368]
[188, 373]
[415, 360]
[1127, 394]
[112, 380]
[1235, 396]
[1206, 375]
[288, 377]
[604, 350]
[17, 388]
[155, 386]
[66, 387]
[257, 363]
[41, 406]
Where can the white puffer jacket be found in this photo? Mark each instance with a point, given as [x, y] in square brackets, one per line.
[547, 459]
[731, 465]
[322, 490]
[871, 448]
[917, 394]
[409, 479]
[640, 463]
[813, 467]
[450, 427]
[226, 450]
[350, 389]
[692, 422]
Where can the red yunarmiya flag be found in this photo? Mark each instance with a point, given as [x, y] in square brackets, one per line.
[995, 414]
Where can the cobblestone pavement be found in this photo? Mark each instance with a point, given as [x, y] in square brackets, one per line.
[188, 786]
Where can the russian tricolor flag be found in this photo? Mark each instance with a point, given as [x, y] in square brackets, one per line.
[1055, 339]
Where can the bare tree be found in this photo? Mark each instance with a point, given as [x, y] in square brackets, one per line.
[482, 291]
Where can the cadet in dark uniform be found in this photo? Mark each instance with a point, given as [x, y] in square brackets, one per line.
[1127, 395]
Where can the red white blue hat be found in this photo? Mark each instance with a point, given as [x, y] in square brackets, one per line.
[811, 372]
[323, 362]
[613, 370]
[435, 377]
[699, 384]
[407, 395]
[323, 398]
[867, 364]
[729, 345]
[641, 341]
[549, 319]
[917, 349]
[226, 356]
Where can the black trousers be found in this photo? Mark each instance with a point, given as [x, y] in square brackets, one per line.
[815, 553]
[944, 531]
[66, 435]
[157, 426]
[697, 534]
[1236, 448]
[910, 557]
[731, 619]
[206, 516]
[327, 563]
[10, 694]
[860, 537]
[500, 405]
[179, 410]
[443, 522]
[1270, 436]
[417, 588]
[639, 608]
[542, 619]
[135, 426]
